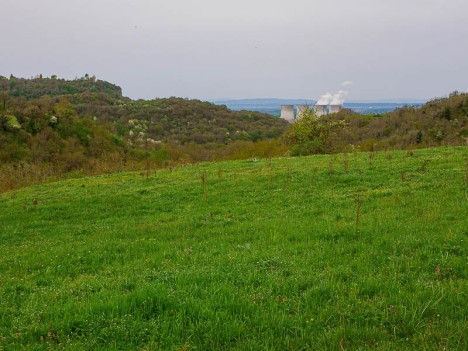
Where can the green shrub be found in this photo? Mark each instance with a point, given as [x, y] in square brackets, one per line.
[310, 133]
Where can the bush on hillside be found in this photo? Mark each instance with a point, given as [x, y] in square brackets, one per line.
[310, 134]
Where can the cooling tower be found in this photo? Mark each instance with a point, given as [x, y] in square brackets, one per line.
[300, 110]
[320, 110]
[335, 108]
[287, 113]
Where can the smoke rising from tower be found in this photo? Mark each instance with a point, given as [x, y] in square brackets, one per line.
[328, 103]
[332, 103]
[325, 99]
[337, 98]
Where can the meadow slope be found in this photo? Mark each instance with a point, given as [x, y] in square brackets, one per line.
[334, 252]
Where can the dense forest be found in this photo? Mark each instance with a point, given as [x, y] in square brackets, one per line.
[39, 86]
[50, 127]
[93, 118]
[174, 119]
[442, 121]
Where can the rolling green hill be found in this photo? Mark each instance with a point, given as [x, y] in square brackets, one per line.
[34, 101]
[341, 252]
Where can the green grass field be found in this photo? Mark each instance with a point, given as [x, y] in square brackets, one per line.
[335, 252]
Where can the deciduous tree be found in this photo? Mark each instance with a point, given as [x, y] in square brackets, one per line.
[309, 134]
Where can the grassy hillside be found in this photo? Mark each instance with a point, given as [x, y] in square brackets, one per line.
[343, 252]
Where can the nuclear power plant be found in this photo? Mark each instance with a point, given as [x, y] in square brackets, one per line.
[301, 109]
[287, 111]
[326, 105]
[322, 110]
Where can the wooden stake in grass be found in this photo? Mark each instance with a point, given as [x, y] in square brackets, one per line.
[125, 158]
[331, 173]
[203, 180]
[148, 168]
[346, 163]
[354, 150]
[357, 201]
[403, 176]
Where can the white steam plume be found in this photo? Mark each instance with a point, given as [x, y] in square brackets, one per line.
[325, 99]
[338, 98]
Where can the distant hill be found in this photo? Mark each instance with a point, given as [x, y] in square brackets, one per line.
[262, 102]
[37, 87]
[173, 119]
[273, 106]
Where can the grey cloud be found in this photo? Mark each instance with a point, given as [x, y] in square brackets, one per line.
[245, 48]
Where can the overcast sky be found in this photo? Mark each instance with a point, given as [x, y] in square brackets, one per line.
[211, 49]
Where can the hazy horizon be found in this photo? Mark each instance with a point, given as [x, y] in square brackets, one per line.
[212, 50]
[395, 100]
